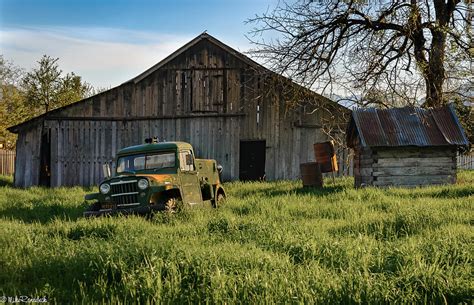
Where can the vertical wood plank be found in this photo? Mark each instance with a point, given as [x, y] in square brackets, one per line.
[81, 156]
[54, 153]
[96, 152]
[103, 144]
[114, 139]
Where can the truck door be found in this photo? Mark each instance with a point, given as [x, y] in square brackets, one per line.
[190, 186]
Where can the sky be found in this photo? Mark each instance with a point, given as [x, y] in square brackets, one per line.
[109, 42]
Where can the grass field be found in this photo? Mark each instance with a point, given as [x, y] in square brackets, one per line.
[270, 243]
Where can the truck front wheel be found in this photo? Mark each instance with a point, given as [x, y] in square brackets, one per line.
[172, 205]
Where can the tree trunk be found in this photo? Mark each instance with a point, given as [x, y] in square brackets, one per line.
[434, 82]
[435, 72]
[432, 64]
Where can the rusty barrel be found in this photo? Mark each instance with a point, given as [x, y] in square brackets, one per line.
[325, 155]
[311, 174]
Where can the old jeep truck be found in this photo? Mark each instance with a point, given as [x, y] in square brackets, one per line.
[157, 177]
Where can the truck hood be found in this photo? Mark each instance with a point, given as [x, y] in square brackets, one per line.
[157, 178]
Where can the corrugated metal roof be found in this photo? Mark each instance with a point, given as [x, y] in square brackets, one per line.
[407, 126]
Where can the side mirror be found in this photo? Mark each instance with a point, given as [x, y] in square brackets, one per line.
[106, 170]
[189, 159]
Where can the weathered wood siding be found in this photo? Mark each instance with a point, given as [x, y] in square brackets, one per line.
[402, 166]
[27, 162]
[363, 162]
[205, 96]
[82, 147]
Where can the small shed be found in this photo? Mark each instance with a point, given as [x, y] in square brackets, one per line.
[405, 146]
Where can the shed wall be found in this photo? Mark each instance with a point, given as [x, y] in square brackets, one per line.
[404, 166]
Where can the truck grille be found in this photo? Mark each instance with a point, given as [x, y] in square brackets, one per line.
[125, 193]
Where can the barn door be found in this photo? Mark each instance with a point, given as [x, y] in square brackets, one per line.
[252, 160]
[45, 160]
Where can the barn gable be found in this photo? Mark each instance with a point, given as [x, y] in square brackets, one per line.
[205, 93]
[204, 51]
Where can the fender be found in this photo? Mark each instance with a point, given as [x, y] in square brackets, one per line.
[219, 189]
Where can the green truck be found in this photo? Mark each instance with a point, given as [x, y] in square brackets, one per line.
[157, 177]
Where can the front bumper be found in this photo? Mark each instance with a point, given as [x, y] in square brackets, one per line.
[124, 208]
[133, 211]
[106, 212]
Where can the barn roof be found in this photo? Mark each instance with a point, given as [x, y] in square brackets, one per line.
[407, 126]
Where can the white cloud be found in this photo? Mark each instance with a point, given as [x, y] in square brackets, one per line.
[103, 57]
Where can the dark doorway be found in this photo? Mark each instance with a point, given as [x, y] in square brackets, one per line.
[252, 160]
[45, 160]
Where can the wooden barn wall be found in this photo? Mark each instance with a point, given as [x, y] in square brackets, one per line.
[27, 161]
[403, 166]
[82, 147]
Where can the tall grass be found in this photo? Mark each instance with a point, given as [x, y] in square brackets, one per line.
[272, 242]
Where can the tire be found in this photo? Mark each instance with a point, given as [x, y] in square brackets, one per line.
[219, 201]
[173, 205]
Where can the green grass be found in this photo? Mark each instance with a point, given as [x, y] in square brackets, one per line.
[271, 243]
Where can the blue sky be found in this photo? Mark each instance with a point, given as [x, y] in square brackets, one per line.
[109, 42]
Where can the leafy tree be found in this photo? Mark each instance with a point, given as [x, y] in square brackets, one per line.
[396, 47]
[26, 95]
[465, 114]
[46, 89]
[12, 110]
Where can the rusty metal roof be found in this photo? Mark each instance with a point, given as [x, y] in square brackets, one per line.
[407, 126]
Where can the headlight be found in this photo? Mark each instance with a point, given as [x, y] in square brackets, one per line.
[104, 188]
[142, 184]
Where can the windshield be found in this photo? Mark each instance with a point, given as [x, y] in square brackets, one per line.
[145, 161]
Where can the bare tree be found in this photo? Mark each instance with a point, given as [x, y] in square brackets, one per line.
[400, 48]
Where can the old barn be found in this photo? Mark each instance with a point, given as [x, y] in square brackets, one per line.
[405, 146]
[257, 124]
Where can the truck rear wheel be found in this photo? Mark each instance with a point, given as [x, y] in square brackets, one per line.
[218, 201]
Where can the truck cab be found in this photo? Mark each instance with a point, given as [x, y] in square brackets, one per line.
[157, 177]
